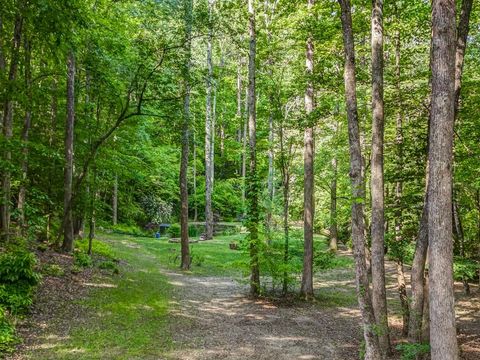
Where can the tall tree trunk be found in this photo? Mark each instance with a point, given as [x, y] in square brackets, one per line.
[401, 283]
[461, 46]
[92, 220]
[185, 246]
[115, 201]
[209, 131]
[195, 207]
[418, 266]
[244, 155]
[22, 193]
[285, 170]
[308, 164]
[379, 296]
[68, 166]
[459, 236]
[443, 337]
[333, 207]
[253, 186]
[372, 347]
[8, 127]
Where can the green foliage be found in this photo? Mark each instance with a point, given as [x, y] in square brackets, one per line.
[129, 230]
[99, 248]
[464, 269]
[53, 270]
[82, 259]
[8, 339]
[109, 265]
[413, 351]
[18, 278]
[174, 231]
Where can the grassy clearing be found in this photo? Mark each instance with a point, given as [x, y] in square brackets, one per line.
[124, 317]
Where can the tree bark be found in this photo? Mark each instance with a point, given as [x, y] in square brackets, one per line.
[22, 193]
[401, 282]
[372, 347]
[92, 220]
[115, 201]
[8, 126]
[253, 187]
[209, 131]
[379, 297]
[68, 166]
[185, 246]
[461, 46]
[285, 170]
[333, 207]
[308, 165]
[195, 207]
[443, 338]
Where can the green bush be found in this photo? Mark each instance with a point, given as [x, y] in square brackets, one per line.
[174, 231]
[18, 279]
[464, 269]
[53, 270]
[98, 248]
[81, 259]
[8, 339]
[413, 351]
[129, 230]
[109, 265]
[193, 231]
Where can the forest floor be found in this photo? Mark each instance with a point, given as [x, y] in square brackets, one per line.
[151, 311]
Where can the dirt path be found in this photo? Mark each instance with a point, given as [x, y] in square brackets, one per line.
[213, 319]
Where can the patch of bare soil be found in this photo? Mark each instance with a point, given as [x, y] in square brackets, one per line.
[213, 319]
[55, 306]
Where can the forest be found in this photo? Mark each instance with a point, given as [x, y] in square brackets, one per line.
[240, 179]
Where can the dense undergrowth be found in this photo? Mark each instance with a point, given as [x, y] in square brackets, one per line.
[21, 272]
[18, 279]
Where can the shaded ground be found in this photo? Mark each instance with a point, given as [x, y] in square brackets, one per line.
[99, 316]
[217, 321]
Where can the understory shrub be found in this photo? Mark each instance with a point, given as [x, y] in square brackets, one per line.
[464, 269]
[18, 279]
[98, 248]
[174, 231]
[8, 339]
[82, 259]
[413, 351]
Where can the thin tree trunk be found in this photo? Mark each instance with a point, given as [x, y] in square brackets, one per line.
[401, 283]
[253, 187]
[308, 164]
[115, 201]
[379, 296]
[333, 207]
[92, 220]
[68, 167]
[244, 155]
[286, 205]
[195, 207]
[372, 347]
[8, 127]
[209, 130]
[185, 246]
[461, 46]
[443, 337]
[24, 137]
[458, 232]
